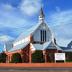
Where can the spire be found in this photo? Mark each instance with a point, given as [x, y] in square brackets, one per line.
[41, 16]
[41, 13]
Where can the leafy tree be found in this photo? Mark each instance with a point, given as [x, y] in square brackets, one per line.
[69, 56]
[37, 57]
[16, 58]
[3, 57]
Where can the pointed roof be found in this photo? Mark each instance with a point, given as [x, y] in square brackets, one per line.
[52, 45]
[46, 45]
[18, 47]
[41, 13]
[69, 45]
[41, 46]
[67, 50]
[27, 32]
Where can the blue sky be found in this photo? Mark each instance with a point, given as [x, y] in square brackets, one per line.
[16, 16]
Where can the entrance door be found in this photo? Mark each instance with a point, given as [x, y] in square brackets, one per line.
[50, 57]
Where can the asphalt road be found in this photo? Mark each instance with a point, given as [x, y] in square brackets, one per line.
[35, 69]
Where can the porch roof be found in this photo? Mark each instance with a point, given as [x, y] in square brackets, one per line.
[41, 46]
[18, 47]
[67, 50]
[46, 45]
[53, 46]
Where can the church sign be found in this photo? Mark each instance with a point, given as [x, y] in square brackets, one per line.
[59, 56]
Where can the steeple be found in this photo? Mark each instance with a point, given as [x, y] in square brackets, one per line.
[41, 16]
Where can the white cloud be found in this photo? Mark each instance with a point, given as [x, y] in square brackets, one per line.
[11, 17]
[61, 23]
[12, 21]
[5, 38]
[61, 18]
[30, 7]
[7, 7]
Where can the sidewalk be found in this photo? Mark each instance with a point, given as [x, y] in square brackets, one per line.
[33, 65]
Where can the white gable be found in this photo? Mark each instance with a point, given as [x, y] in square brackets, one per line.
[37, 36]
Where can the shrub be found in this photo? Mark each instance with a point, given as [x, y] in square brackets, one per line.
[37, 57]
[16, 58]
[3, 57]
[69, 57]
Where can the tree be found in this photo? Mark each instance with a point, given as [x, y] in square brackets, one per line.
[37, 57]
[16, 58]
[69, 56]
[3, 57]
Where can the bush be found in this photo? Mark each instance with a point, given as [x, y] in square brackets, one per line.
[3, 57]
[16, 58]
[69, 57]
[37, 57]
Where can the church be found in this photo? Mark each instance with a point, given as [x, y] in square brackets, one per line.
[39, 37]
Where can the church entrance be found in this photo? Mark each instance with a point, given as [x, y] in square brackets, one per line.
[50, 57]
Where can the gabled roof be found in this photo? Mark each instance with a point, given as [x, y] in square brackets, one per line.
[22, 36]
[70, 44]
[52, 45]
[27, 32]
[18, 47]
[46, 45]
[63, 48]
[30, 32]
[41, 46]
[67, 50]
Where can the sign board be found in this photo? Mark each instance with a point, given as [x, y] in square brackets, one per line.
[59, 56]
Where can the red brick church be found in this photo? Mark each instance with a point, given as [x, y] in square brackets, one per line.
[39, 37]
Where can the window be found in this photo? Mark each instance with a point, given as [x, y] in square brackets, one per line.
[43, 35]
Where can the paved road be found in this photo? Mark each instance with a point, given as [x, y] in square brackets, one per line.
[36, 69]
